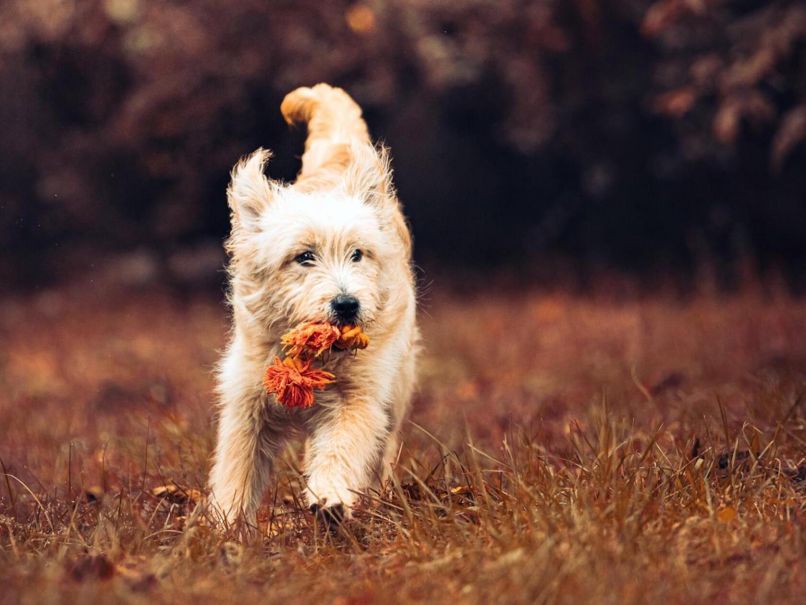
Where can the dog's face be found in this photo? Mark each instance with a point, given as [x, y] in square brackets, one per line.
[324, 255]
[333, 255]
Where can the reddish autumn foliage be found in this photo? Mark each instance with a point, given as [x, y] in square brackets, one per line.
[647, 135]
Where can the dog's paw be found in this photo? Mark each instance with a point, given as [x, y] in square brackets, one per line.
[330, 516]
[326, 491]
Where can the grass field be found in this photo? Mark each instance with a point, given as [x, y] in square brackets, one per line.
[561, 449]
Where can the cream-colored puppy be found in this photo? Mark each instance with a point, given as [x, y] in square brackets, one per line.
[332, 246]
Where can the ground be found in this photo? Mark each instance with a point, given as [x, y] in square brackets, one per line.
[562, 448]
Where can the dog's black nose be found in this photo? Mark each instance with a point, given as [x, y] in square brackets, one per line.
[345, 307]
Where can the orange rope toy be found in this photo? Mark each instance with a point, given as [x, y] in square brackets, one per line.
[293, 379]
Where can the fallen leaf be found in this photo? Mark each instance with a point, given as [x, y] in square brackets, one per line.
[230, 554]
[176, 494]
[94, 493]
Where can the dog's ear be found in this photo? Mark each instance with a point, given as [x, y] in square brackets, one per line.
[368, 175]
[249, 191]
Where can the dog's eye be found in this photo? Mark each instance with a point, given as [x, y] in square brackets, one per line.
[306, 258]
[357, 256]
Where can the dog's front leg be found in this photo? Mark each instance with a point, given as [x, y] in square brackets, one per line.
[345, 445]
[247, 444]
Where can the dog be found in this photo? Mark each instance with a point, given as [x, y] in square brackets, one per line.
[332, 246]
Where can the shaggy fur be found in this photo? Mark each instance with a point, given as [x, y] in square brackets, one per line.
[342, 201]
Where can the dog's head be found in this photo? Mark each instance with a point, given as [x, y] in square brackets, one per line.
[331, 250]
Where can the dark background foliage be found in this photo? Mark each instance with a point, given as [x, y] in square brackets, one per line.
[633, 135]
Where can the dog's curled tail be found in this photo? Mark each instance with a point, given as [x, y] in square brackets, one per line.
[334, 125]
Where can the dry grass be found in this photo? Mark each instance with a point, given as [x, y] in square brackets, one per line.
[561, 450]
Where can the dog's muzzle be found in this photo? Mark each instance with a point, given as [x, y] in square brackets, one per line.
[345, 308]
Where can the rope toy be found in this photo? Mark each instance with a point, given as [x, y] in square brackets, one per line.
[293, 379]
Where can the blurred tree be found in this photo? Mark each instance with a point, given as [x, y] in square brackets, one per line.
[634, 133]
